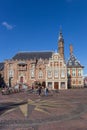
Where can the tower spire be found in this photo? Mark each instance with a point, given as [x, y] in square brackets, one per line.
[61, 44]
[60, 35]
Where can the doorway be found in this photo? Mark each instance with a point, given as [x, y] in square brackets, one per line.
[56, 85]
[21, 79]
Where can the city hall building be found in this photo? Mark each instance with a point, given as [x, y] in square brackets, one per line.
[46, 68]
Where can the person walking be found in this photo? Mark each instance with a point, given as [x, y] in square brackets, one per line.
[46, 91]
[39, 90]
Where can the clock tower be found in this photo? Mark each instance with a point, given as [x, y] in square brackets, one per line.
[61, 44]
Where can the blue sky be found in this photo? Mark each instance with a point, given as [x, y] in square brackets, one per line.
[33, 25]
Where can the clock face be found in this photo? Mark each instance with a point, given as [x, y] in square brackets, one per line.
[55, 57]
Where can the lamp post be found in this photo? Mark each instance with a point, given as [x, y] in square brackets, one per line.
[10, 77]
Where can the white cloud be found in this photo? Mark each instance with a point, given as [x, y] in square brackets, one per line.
[8, 26]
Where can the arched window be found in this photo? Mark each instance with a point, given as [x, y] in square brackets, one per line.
[40, 74]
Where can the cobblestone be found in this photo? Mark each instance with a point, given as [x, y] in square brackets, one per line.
[66, 110]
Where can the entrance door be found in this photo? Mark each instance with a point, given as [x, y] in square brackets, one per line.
[44, 84]
[56, 85]
[21, 79]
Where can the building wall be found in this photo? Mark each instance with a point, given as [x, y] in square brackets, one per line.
[29, 71]
[56, 73]
[75, 77]
[26, 72]
[85, 81]
[52, 73]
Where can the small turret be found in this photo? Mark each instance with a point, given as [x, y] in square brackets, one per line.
[71, 49]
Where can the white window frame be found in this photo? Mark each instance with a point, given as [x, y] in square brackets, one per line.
[56, 74]
[40, 74]
[62, 73]
[49, 74]
[32, 74]
[68, 71]
[79, 72]
[11, 73]
[73, 72]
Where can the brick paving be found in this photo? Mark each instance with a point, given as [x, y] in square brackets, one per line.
[66, 110]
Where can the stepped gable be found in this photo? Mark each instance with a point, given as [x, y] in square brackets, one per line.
[73, 62]
[32, 55]
[1, 66]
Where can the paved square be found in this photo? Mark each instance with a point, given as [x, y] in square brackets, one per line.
[66, 110]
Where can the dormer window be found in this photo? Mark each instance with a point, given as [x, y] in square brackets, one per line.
[70, 62]
[76, 63]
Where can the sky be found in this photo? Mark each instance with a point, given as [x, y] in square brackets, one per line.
[34, 25]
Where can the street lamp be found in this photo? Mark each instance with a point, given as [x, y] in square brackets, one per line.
[10, 77]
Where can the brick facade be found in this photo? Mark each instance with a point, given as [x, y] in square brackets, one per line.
[44, 68]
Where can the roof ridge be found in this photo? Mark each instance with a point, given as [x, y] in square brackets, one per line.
[35, 51]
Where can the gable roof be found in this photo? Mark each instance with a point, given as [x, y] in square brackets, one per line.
[73, 62]
[32, 55]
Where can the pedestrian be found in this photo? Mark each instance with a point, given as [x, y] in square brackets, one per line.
[32, 87]
[39, 90]
[46, 91]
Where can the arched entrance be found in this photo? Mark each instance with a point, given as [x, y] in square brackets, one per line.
[21, 79]
[44, 84]
[36, 84]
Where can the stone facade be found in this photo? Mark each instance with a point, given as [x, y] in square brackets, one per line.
[56, 72]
